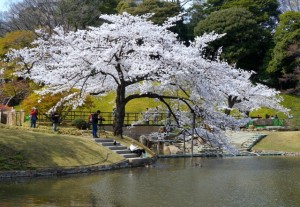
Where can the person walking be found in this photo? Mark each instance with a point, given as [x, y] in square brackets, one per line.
[33, 117]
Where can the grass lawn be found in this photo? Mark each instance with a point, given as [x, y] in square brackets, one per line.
[291, 102]
[107, 103]
[20, 149]
[280, 141]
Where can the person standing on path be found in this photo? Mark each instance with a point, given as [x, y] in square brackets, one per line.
[95, 119]
[33, 117]
[55, 120]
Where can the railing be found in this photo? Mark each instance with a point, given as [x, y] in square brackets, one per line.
[129, 119]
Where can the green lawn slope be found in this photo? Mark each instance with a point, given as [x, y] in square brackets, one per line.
[288, 141]
[21, 149]
[107, 103]
[291, 102]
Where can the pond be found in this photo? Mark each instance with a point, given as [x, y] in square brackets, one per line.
[233, 181]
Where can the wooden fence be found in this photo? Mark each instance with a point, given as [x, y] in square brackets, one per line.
[129, 119]
[17, 118]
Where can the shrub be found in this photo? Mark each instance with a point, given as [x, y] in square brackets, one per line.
[80, 124]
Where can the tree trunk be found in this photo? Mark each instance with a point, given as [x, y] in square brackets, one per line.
[8, 101]
[231, 101]
[120, 111]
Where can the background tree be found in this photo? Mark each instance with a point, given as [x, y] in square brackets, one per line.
[31, 15]
[289, 5]
[46, 103]
[240, 45]
[162, 10]
[47, 14]
[79, 14]
[13, 88]
[285, 63]
[196, 13]
[182, 3]
[264, 13]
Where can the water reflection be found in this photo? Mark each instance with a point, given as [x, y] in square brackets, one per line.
[244, 181]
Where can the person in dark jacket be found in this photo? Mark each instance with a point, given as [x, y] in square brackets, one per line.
[95, 119]
[55, 120]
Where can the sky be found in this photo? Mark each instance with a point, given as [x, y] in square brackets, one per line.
[4, 4]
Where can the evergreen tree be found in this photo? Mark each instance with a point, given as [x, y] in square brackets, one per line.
[161, 10]
[285, 62]
[263, 12]
[241, 45]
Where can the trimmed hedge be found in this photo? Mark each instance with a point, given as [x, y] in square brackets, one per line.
[80, 124]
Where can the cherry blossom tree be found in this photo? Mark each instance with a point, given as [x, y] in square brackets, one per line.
[136, 58]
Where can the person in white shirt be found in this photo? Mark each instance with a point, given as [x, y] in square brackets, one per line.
[136, 150]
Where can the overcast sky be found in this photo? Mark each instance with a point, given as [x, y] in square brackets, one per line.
[4, 4]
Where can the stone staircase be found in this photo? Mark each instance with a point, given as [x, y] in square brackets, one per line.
[133, 159]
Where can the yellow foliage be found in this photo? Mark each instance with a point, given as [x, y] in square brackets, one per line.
[45, 103]
[17, 39]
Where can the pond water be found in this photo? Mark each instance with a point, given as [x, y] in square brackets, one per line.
[182, 182]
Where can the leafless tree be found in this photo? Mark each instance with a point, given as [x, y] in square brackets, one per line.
[185, 3]
[47, 14]
[32, 14]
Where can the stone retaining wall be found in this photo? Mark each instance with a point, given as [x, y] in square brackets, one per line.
[72, 170]
[62, 171]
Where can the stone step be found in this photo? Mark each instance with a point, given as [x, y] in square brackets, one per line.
[117, 147]
[107, 144]
[122, 150]
[103, 140]
[131, 155]
[127, 151]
